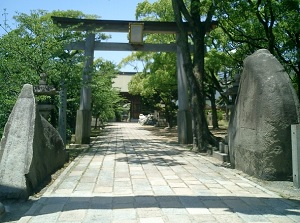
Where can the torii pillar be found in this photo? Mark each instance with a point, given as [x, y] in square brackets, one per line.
[84, 115]
[184, 117]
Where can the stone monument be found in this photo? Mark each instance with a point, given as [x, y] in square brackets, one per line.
[260, 126]
[31, 149]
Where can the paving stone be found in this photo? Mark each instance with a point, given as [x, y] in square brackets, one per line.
[253, 217]
[151, 220]
[183, 191]
[198, 211]
[98, 216]
[174, 211]
[85, 187]
[124, 214]
[51, 208]
[280, 219]
[228, 218]
[179, 218]
[72, 215]
[68, 185]
[63, 192]
[162, 190]
[205, 218]
[130, 175]
[44, 218]
[176, 185]
[100, 189]
[149, 212]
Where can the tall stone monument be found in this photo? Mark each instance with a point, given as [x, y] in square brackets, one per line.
[31, 149]
[260, 126]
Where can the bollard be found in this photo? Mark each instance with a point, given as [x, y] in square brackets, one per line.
[295, 130]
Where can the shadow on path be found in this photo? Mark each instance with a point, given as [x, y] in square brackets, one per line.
[230, 204]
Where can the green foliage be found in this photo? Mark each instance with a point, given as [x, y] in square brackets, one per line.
[161, 9]
[246, 26]
[157, 82]
[135, 86]
[159, 86]
[106, 101]
[220, 115]
[251, 25]
[33, 48]
[36, 46]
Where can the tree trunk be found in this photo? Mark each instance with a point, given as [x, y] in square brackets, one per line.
[194, 71]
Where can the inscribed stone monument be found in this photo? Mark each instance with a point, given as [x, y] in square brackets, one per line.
[31, 149]
[259, 130]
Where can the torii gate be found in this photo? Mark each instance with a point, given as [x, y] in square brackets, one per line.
[83, 119]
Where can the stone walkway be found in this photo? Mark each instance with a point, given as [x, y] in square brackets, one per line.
[130, 175]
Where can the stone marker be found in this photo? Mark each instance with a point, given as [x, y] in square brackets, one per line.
[260, 126]
[31, 149]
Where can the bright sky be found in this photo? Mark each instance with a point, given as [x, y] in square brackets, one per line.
[106, 9]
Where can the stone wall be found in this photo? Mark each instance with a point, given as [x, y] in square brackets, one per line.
[259, 129]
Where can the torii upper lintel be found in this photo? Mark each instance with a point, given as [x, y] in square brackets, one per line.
[119, 25]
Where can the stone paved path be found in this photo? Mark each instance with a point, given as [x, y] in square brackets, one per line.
[130, 175]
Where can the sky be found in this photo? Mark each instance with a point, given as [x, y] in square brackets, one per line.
[106, 9]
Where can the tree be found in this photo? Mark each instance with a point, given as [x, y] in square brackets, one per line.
[164, 84]
[37, 46]
[158, 81]
[217, 78]
[194, 65]
[159, 85]
[269, 24]
[164, 11]
[106, 101]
